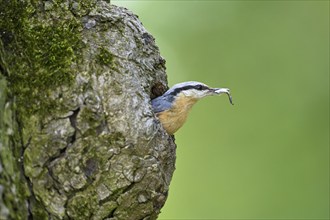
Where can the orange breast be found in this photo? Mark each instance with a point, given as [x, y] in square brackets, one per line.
[174, 118]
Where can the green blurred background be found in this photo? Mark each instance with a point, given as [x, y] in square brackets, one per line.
[268, 155]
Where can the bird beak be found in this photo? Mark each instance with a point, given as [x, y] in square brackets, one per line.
[219, 91]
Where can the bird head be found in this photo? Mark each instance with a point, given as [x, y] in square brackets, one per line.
[196, 90]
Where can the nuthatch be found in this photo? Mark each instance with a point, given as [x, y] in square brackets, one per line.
[172, 107]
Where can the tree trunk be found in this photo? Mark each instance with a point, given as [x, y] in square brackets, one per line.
[78, 138]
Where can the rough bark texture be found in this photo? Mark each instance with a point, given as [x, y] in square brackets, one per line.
[78, 138]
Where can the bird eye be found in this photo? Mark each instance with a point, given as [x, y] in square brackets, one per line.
[199, 87]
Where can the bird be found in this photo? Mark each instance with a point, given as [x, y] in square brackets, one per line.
[173, 106]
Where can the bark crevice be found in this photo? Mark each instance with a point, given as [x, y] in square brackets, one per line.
[73, 122]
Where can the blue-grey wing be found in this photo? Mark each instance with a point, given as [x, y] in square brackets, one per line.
[161, 104]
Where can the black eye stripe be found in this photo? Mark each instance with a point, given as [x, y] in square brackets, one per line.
[197, 87]
[201, 87]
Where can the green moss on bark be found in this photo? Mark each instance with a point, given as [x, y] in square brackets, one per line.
[37, 52]
[40, 51]
[105, 57]
[13, 190]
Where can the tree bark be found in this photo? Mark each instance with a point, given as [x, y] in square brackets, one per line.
[78, 138]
